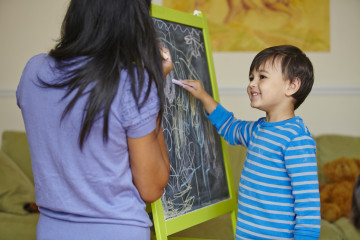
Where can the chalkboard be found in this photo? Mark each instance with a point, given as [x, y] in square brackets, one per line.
[198, 175]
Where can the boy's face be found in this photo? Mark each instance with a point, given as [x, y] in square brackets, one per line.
[267, 88]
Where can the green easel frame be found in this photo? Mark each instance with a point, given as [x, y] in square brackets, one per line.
[164, 228]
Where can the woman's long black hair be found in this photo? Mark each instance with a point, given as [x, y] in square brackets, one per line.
[107, 36]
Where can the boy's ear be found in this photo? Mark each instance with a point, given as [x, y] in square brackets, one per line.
[293, 86]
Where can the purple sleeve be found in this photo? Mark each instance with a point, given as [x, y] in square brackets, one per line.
[139, 122]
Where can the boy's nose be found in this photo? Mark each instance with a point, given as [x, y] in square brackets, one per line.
[252, 84]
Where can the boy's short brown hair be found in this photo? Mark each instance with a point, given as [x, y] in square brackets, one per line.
[294, 64]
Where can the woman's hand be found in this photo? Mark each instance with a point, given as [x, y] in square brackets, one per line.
[166, 60]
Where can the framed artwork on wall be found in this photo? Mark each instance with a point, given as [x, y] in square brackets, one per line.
[252, 25]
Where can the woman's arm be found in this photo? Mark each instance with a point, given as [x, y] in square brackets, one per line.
[149, 160]
[149, 164]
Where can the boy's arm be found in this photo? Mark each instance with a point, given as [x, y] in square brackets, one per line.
[197, 90]
[234, 131]
[300, 160]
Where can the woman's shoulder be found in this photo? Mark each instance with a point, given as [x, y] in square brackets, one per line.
[41, 57]
[39, 64]
[39, 60]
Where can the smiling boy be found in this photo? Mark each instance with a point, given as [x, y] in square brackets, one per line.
[278, 191]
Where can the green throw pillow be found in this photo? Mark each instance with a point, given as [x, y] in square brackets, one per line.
[15, 188]
[330, 231]
[15, 145]
[350, 232]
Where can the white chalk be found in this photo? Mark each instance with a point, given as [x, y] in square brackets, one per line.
[177, 82]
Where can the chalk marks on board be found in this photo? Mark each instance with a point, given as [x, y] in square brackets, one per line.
[197, 177]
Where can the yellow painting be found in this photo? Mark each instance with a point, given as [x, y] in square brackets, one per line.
[252, 25]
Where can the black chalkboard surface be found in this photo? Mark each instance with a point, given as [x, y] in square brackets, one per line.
[197, 175]
[200, 184]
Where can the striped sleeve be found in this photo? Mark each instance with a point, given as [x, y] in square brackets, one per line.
[234, 131]
[300, 161]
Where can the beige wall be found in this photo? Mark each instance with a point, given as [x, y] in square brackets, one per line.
[29, 27]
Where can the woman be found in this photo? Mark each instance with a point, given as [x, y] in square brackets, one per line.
[92, 109]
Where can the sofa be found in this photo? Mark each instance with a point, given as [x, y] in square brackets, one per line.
[17, 189]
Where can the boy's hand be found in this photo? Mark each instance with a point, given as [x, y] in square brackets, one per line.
[167, 63]
[196, 89]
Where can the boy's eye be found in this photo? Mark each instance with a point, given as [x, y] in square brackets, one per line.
[262, 76]
[251, 78]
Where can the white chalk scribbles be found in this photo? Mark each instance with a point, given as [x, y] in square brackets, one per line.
[197, 177]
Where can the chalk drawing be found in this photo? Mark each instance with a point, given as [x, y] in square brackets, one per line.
[197, 177]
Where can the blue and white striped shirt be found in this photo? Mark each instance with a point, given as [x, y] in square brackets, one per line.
[279, 190]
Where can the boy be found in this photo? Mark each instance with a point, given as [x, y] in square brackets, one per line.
[278, 192]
